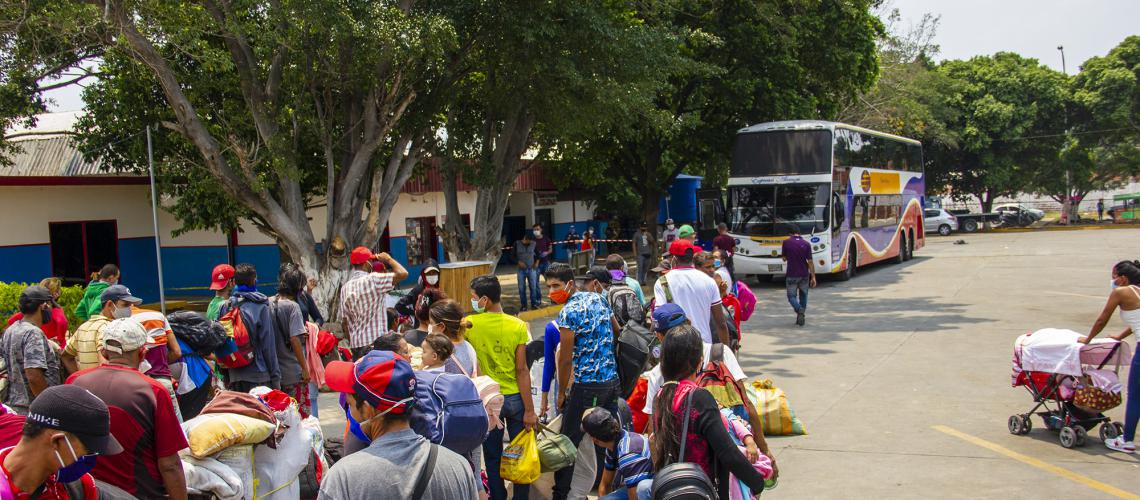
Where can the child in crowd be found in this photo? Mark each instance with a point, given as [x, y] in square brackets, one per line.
[446, 318]
[627, 454]
[437, 350]
[742, 435]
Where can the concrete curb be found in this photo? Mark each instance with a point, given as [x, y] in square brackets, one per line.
[1092, 227]
[534, 314]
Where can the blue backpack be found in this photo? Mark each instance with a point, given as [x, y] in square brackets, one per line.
[449, 411]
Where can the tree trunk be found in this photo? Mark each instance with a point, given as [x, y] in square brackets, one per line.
[650, 208]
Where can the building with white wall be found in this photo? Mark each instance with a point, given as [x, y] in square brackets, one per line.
[64, 216]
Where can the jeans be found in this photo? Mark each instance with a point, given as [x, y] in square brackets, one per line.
[644, 491]
[314, 395]
[798, 293]
[493, 448]
[528, 274]
[543, 265]
[1132, 409]
[582, 397]
[643, 266]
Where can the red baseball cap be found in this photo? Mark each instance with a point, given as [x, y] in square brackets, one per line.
[221, 276]
[360, 255]
[680, 246]
[382, 378]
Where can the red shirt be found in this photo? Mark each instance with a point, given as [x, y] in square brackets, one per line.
[142, 420]
[51, 489]
[55, 331]
[11, 427]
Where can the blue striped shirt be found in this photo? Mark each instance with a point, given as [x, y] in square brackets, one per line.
[630, 458]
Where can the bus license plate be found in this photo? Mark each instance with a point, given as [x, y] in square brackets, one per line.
[775, 268]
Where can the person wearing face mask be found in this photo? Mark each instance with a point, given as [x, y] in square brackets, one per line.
[378, 395]
[423, 306]
[33, 365]
[82, 350]
[66, 432]
[446, 317]
[586, 327]
[543, 247]
[1125, 295]
[428, 280]
[500, 349]
[56, 330]
[90, 304]
[668, 235]
[148, 427]
[588, 242]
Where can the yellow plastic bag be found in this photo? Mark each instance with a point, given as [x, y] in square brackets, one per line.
[520, 463]
[771, 403]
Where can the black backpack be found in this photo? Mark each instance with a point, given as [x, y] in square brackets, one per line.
[634, 346]
[681, 480]
[202, 335]
[625, 304]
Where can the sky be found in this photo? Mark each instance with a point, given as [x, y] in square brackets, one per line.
[1086, 28]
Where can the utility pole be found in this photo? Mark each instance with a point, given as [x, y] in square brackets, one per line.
[1066, 200]
[154, 214]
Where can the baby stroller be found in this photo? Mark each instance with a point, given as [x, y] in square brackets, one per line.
[1069, 383]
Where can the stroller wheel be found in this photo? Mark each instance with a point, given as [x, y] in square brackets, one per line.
[1026, 424]
[1108, 431]
[1068, 437]
[1015, 425]
[1082, 435]
[1119, 428]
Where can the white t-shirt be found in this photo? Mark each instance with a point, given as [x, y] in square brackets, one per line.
[723, 272]
[696, 293]
[655, 379]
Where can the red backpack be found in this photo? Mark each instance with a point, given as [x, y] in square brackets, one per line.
[727, 391]
[234, 323]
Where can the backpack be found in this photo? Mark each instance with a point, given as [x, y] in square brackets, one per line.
[726, 390]
[488, 389]
[746, 297]
[625, 304]
[449, 411]
[683, 480]
[733, 331]
[634, 346]
[234, 323]
[201, 334]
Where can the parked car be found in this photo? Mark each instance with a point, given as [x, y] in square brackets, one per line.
[1019, 211]
[937, 220]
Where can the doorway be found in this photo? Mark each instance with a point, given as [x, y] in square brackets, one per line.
[545, 218]
[81, 248]
[422, 239]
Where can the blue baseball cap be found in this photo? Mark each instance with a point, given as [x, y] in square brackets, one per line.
[666, 316]
[383, 378]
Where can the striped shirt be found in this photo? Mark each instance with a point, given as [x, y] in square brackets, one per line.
[84, 344]
[362, 304]
[630, 458]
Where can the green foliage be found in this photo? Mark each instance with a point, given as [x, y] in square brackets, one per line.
[10, 301]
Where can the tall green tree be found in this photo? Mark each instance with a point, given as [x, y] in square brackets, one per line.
[743, 62]
[557, 73]
[264, 106]
[1009, 114]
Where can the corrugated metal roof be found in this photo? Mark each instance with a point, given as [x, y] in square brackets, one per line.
[53, 156]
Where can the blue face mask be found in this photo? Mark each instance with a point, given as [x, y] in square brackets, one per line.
[475, 305]
[77, 469]
[356, 428]
[716, 263]
[1112, 284]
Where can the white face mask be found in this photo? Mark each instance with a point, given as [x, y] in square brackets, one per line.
[432, 279]
[670, 226]
[122, 312]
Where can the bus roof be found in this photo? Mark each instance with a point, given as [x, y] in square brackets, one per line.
[818, 125]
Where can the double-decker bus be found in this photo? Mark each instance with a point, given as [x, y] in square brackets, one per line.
[855, 195]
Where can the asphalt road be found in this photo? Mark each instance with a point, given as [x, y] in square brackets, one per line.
[902, 375]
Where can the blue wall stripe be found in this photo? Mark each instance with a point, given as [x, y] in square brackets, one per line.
[25, 264]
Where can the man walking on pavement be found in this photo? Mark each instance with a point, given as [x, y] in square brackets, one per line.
[525, 255]
[543, 248]
[800, 274]
[643, 243]
[693, 290]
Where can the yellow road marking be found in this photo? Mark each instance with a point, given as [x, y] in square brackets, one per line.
[1045, 466]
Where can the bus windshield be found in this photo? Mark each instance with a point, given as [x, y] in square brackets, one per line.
[782, 152]
[773, 210]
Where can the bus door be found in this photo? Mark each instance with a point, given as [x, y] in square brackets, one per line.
[711, 203]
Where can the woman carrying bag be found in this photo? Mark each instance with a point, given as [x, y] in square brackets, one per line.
[707, 443]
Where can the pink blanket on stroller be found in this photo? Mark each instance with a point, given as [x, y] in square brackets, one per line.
[1054, 350]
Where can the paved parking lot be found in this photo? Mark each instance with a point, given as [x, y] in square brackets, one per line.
[902, 374]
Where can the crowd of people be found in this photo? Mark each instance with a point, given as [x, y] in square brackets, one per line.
[129, 381]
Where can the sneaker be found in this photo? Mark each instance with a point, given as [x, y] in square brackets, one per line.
[800, 319]
[1119, 444]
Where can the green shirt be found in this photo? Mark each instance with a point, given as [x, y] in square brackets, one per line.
[495, 337]
[214, 309]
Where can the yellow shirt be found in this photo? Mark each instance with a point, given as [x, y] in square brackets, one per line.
[495, 337]
[84, 343]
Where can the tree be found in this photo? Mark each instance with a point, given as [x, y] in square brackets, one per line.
[742, 62]
[558, 73]
[268, 103]
[1009, 114]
